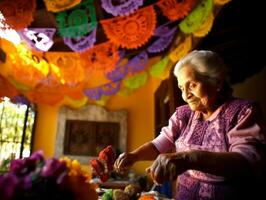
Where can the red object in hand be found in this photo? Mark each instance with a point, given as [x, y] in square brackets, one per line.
[99, 170]
[98, 167]
[108, 156]
[103, 165]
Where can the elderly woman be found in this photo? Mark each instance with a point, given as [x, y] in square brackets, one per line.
[219, 140]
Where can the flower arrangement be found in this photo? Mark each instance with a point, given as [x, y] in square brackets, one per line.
[35, 178]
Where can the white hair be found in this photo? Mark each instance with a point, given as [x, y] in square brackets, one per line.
[205, 63]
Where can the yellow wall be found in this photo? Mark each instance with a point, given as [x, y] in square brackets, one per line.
[140, 108]
[45, 129]
[254, 88]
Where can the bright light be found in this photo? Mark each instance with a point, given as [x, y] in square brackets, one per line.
[26, 153]
[7, 33]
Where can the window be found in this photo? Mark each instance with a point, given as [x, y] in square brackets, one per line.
[16, 131]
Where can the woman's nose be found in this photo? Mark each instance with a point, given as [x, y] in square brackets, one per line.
[186, 94]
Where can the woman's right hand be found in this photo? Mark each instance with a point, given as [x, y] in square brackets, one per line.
[168, 166]
[124, 161]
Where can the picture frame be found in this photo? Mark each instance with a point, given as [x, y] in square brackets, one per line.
[71, 124]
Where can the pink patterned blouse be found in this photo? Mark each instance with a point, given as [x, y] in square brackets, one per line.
[231, 128]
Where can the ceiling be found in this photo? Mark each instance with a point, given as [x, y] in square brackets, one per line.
[236, 35]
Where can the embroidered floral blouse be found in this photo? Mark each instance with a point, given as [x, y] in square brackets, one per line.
[231, 128]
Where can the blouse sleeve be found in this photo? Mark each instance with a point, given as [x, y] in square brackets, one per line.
[166, 139]
[248, 137]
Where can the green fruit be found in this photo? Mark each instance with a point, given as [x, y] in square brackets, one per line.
[108, 194]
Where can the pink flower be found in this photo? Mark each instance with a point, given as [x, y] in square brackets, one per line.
[53, 168]
[8, 184]
[37, 178]
[24, 166]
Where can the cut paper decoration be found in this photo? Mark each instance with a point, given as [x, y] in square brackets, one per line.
[158, 68]
[107, 89]
[136, 81]
[132, 31]
[137, 63]
[18, 13]
[93, 93]
[75, 103]
[19, 86]
[163, 42]
[221, 2]
[27, 67]
[50, 91]
[7, 89]
[197, 17]
[163, 30]
[45, 98]
[101, 58]
[110, 88]
[22, 68]
[205, 28]
[60, 5]
[20, 100]
[121, 7]
[2, 56]
[82, 43]
[7, 46]
[78, 21]
[74, 92]
[118, 73]
[102, 101]
[26, 75]
[29, 59]
[62, 77]
[40, 39]
[175, 10]
[182, 49]
[66, 67]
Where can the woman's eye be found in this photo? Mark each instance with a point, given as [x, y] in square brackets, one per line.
[192, 85]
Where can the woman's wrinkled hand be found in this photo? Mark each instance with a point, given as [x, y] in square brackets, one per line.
[123, 162]
[167, 167]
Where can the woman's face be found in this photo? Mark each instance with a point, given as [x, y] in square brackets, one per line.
[197, 92]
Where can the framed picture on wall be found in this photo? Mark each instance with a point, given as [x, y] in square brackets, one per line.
[90, 137]
[82, 133]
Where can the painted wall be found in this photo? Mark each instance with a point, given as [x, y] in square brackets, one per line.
[45, 129]
[140, 107]
[254, 88]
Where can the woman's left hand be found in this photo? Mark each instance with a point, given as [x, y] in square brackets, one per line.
[167, 167]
